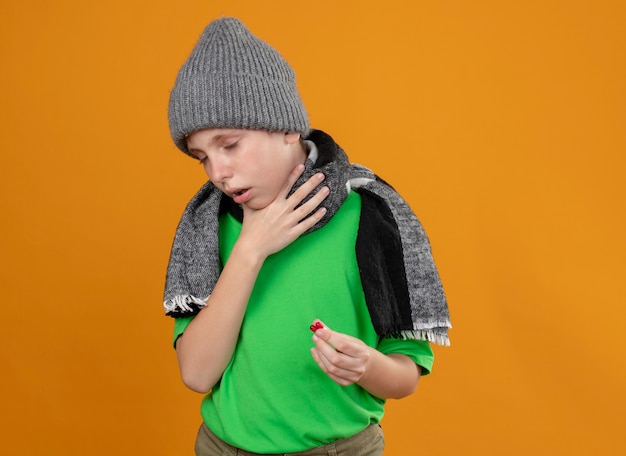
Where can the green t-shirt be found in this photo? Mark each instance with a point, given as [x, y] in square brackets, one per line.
[273, 397]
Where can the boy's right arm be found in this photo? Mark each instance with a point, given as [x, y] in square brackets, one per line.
[206, 347]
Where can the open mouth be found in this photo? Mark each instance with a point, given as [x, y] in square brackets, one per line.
[241, 196]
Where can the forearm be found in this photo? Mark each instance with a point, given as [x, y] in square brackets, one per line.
[206, 347]
[390, 376]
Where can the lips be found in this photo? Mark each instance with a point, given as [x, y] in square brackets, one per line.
[240, 196]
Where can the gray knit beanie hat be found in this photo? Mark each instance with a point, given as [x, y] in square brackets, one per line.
[232, 79]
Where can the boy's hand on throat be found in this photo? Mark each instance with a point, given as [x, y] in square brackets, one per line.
[269, 230]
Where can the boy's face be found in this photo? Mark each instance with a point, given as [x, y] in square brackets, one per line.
[250, 166]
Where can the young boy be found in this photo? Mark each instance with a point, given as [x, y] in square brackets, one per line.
[288, 235]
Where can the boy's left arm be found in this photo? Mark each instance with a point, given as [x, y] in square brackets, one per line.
[348, 360]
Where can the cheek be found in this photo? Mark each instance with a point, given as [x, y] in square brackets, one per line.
[278, 177]
[208, 172]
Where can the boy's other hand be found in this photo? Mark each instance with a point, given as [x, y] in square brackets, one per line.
[347, 360]
[344, 358]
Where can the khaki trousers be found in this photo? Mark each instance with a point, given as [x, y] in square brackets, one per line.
[369, 442]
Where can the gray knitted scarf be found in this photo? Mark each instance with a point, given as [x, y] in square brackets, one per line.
[401, 285]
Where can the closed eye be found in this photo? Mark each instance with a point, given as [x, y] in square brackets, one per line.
[231, 145]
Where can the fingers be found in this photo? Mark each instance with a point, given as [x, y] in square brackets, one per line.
[303, 190]
[343, 358]
[341, 376]
[306, 188]
[292, 178]
[308, 208]
[342, 368]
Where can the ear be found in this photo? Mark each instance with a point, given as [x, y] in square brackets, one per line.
[292, 137]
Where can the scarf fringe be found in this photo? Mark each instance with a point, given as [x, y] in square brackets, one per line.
[183, 304]
[436, 333]
[428, 335]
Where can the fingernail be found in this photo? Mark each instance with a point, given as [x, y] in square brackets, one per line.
[320, 176]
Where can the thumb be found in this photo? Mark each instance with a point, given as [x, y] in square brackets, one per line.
[322, 332]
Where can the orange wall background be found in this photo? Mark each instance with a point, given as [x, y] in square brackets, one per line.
[502, 123]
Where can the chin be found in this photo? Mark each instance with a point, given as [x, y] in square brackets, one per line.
[255, 206]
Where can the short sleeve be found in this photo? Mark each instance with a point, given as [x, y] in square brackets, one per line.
[419, 351]
[180, 324]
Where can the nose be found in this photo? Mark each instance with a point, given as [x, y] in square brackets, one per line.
[219, 168]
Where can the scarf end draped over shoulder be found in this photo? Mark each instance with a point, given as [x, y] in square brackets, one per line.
[401, 284]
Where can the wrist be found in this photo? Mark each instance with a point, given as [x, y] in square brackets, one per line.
[247, 255]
